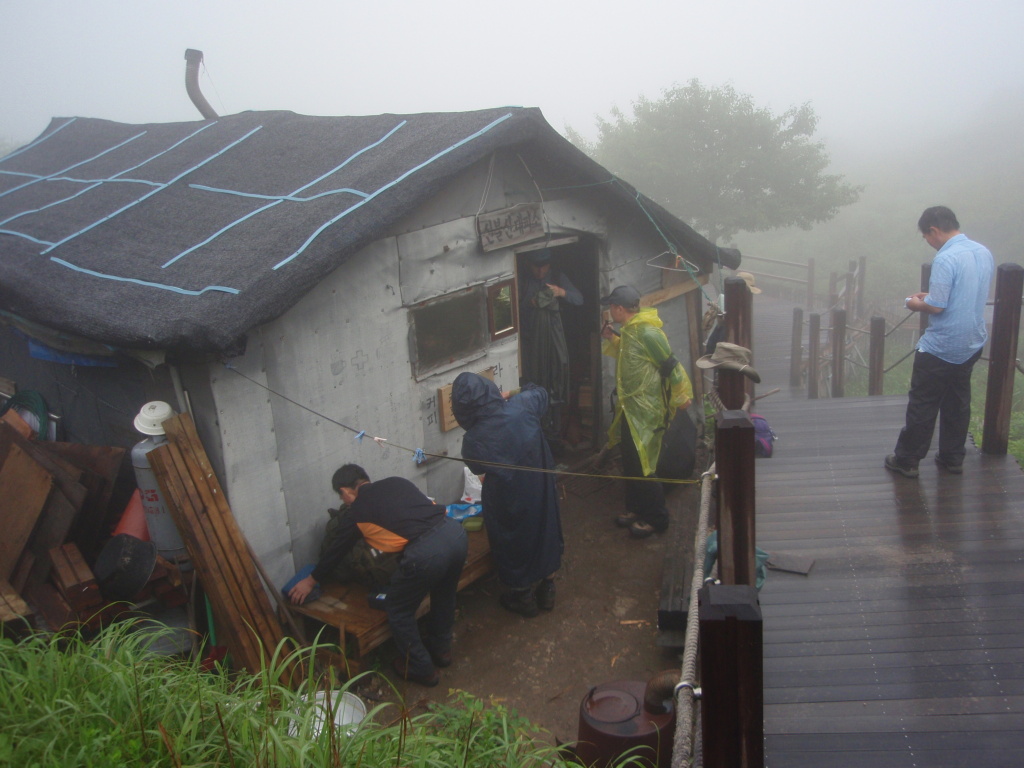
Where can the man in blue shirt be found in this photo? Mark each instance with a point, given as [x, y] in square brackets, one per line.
[940, 386]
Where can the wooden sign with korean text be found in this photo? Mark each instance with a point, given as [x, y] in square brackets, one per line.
[518, 224]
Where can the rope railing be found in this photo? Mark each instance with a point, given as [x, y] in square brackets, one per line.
[687, 692]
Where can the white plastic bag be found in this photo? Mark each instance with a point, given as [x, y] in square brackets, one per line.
[472, 490]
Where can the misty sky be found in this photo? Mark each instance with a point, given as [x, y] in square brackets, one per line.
[870, 69]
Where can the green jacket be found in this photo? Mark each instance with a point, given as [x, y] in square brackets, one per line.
[647, 400]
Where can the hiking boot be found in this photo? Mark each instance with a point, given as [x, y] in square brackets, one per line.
[626, 519]
[546, 594]
[641, 530]
[893, 465]
[427, 681]
[440, 658]
[953, 469]
[521, 601]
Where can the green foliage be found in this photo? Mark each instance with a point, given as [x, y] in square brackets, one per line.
[109, 703]
[718, 161]
[977, 170]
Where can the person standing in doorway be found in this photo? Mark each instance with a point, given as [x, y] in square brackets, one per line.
[940, 385]
[542, 292]
[652, 387]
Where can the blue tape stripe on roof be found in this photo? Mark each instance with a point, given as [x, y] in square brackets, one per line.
[147, 283]
[281, 199]
[389, 185]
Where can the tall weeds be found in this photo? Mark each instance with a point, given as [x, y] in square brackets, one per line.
[111, 702]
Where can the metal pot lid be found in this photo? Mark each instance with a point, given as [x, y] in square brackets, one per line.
[611, 706]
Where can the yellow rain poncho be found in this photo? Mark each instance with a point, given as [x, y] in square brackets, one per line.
[646, 399]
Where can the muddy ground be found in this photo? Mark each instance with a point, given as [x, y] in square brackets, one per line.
[603, 628]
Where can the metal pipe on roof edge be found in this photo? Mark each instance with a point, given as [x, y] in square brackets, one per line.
[193, 59]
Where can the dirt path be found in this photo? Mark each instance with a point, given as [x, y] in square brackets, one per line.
[603, 628]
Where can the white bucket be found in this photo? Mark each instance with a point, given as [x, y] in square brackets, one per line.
[349, 710]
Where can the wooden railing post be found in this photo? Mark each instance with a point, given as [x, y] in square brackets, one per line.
[851, 292]
[1002, 356]
[810, 284]
[796, 347]
[813, 354]
[862, 265]
[838, 351]
[738, 330]
[876, 356]
[731, 637]
[734, 460]
[833, 289]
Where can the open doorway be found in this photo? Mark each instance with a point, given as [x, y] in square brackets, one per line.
[559, 339]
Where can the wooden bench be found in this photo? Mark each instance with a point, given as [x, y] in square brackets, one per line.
[362, 628]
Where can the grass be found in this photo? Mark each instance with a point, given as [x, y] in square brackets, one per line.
[110, 702]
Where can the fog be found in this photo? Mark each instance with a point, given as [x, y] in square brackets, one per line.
[911, 96]
[875, 71]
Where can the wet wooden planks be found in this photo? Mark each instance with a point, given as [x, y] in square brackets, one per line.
[904, 646]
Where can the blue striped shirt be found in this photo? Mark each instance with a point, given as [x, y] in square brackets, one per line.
[961, 274]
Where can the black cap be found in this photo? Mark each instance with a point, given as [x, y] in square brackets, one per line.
[625, 296]
[539, 258]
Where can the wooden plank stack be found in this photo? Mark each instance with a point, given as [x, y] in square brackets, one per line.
[46, 489]
[215, 543]
[74, 579]
[14, 612]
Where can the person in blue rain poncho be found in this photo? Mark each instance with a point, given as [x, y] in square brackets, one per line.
[520, 508]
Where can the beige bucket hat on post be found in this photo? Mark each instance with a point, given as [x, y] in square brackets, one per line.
[731, 357]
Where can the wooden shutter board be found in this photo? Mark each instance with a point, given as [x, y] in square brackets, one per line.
[24, 489]
[66, 476]
[101, 467]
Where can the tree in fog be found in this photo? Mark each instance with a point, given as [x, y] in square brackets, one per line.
[718, 161]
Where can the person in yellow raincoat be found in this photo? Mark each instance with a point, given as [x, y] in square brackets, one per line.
[652, 387]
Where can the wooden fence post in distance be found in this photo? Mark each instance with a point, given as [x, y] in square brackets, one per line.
[796, 347]
[813, 354]
[838, 352]
[876, 356]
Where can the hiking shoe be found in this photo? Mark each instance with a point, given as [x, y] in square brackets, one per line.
[626, 519]
[893, 465]
[953, 469]
[441, 658]
[521, 601]
[427, 681]
[641, 530]
[546, 594]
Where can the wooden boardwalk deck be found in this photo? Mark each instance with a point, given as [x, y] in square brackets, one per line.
[904, 646]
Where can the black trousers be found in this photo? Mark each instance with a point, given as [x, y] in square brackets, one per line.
[644, 498]
[937, 390]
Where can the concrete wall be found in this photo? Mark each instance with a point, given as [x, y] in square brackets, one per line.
[343, 353]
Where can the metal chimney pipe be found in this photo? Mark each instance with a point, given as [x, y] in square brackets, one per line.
[194, 58]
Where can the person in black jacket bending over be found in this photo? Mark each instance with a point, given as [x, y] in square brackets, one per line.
[394, 516]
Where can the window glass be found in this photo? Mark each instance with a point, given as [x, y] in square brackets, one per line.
[501, 309]
[448, 329]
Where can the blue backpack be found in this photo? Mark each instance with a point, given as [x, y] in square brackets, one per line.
[764, 437]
